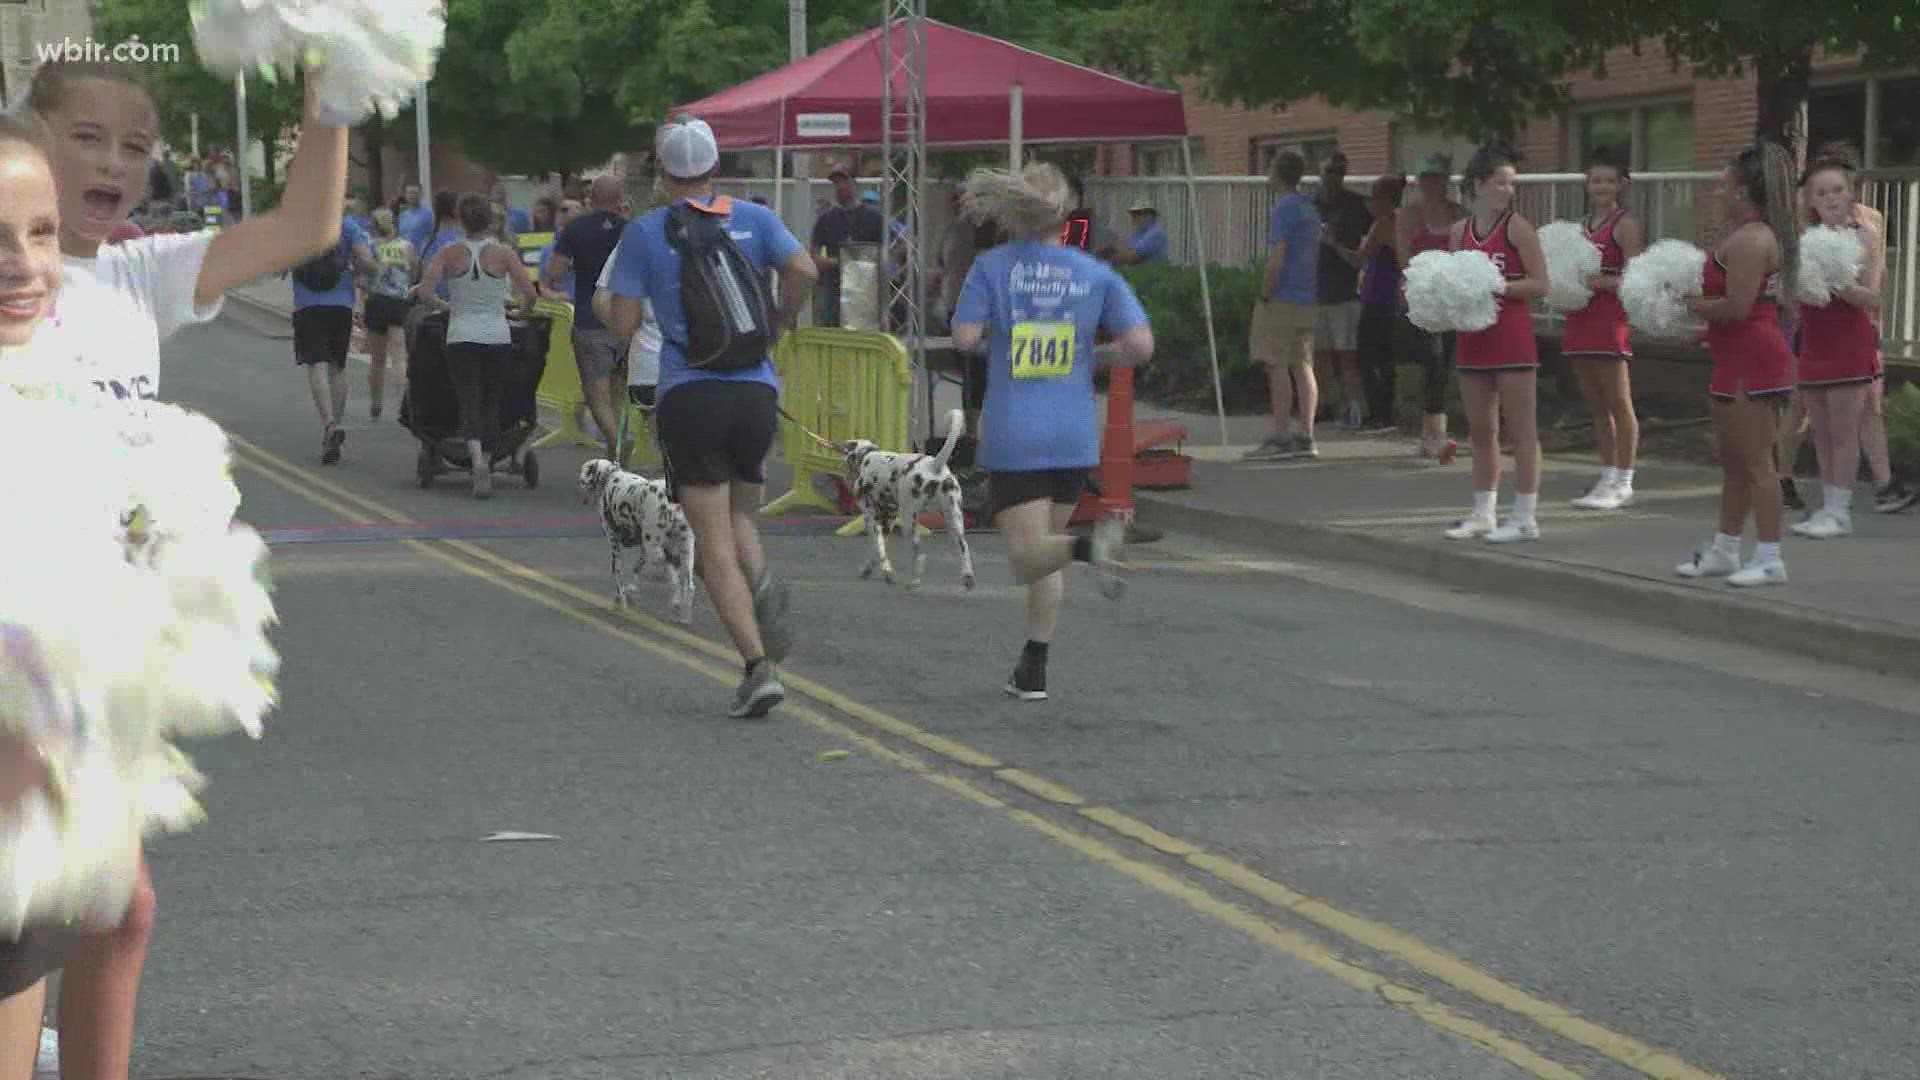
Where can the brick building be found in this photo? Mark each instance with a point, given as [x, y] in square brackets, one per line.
[1667, 119]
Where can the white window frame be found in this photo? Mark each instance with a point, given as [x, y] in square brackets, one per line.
[1870, 152]
[1636, 110]
[1264, 148]
[1164, 159]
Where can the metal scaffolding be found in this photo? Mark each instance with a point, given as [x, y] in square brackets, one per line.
[903, 108]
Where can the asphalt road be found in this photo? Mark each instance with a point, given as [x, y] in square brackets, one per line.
[1279, 821]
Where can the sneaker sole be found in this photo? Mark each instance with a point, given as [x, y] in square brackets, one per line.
[762, 704]
[1018, 694]
[1896, 506]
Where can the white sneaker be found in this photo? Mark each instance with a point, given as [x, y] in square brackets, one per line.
[1773, 572]
[1515, 531]
[1616, 496]
[1471, 526]
[1591, 500]
[1825, 525]
[1709, 561]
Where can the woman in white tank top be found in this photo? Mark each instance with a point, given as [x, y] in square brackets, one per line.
[481, 276]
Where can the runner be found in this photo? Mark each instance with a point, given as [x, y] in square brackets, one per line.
[1428, 227]
[323, 302]
[103, 126]
[1038, 304]
[1748, 277]
[1840, 355]
[387, 305]
[1598, 340]
[716, 426]
[1499, 366]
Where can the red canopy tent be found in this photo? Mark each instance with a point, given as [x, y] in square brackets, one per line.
[978, 91]
[832, 98]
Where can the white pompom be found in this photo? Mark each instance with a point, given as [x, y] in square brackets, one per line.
[1453, 290]
[364, 55]
[1656, 284]
[1830, 259]
[1571, 260]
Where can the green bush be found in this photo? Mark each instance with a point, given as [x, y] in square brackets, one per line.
[1180, 372]
[1903, 430]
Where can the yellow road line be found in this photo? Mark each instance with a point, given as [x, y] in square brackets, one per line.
[1379, 937]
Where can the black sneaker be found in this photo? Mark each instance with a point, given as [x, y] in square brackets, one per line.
[759, 692]
[330, 446]
[1276, 448]
[1893, 498]
[1029, 682]
[772, 604]
[374, 412]
[1790, 495]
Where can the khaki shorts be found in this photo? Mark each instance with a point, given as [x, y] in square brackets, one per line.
[1282, 333]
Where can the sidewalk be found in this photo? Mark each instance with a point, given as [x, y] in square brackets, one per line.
[1369, 500]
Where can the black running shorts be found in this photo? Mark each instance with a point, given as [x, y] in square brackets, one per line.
[1062, 487]
[322, 335]
[716, 432]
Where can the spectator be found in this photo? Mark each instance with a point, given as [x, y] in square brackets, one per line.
[1380, 301]
[1148, 244]
[579, 253]
[546, 211]
[1281, 337]
[516, 220]
[415, 220]
[562, 284]
[1337, 322]
[845, 222]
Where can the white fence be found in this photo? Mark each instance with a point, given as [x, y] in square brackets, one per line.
[1233, 218]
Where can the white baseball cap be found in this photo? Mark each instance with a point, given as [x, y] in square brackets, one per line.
[687, 149]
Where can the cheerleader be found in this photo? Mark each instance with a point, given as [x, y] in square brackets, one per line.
[1598, 340]
[1840, 353]
[1498, 367]
[103, 127]
[1747, 280]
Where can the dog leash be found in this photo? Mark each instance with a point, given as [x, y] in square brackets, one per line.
[808, 432]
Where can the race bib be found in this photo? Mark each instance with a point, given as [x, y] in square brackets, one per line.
[1042, 350]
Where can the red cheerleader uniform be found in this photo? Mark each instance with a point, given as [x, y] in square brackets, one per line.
[1839, 345]
[1600, 329]
[1508, 344]
[1751, 356]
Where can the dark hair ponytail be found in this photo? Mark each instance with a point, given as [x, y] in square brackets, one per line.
[1485, 161]
[1765, 172]
[1606, 157]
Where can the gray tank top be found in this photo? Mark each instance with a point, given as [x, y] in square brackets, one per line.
[479, 302]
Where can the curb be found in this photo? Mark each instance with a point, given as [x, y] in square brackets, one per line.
[1880, 647]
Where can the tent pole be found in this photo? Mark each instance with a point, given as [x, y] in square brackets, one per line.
[1206, 290]
[1016, 125]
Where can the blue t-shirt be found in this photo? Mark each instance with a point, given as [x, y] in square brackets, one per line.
[565, 285]
[1150, 243]
[1296, 222]
[518, 220]
[340, 295]
[1042, 305]
[587, 241]
[416, 226]
[648, 267]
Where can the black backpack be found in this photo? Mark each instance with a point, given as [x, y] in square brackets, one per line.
[322, 273]
[729, 312]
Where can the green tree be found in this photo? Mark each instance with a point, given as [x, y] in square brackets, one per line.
[182, 90]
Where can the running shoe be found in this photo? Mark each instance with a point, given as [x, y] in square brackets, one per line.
[1515, 531]
[1303, 447]
[1708, 562]
[759, 692]
[1893, 498]
[1471, 526]
[1276, 448]
[1826, 525]
[1771, 572]
[1029, 681]
[330, 444]
[1590, 501]
[1617, 496]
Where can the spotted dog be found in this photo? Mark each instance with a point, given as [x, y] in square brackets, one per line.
[635, 512]
[895, 489]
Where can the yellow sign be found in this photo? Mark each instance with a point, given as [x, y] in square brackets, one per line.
[1042, 350]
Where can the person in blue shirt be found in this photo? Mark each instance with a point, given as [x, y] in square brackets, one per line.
[580, 251]
[323, 328]
[1281, 337]
[1039, 306]
[1148, 244]
[716, 427]
[415, 217]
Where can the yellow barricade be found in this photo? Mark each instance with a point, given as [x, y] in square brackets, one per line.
[843, 385]
[559, 388]
[640, 443]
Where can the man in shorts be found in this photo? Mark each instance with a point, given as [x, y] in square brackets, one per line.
[716, 426]
[1336, 331]
[323, 328]
[579, 254]
[1281, 337]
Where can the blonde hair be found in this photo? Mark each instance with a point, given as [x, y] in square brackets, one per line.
[383, 221]
[1030, 205]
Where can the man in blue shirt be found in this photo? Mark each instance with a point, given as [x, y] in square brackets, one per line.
[1148, 244]
[416, 218]
[716, 427]
[323, 303]
[581, 250]
[1281, 336]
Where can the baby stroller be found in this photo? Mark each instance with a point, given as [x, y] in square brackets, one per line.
[429, 410]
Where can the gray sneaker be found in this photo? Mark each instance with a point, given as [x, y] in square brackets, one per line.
[759, 692]
[1276, 448]
[1303, 447]
[772, 606]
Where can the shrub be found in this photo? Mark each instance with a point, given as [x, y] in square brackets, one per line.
[1903, 430]
[1180, 372]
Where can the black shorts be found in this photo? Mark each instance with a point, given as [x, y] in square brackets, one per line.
[33, 956]
[1062, 487]
[322, 335]
[386, 312]
[716, 432]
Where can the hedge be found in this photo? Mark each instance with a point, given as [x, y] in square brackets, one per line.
[1180, 372]
[1903, 431]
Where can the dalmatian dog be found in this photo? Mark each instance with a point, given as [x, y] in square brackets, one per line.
[895, 489]
[635, 512]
